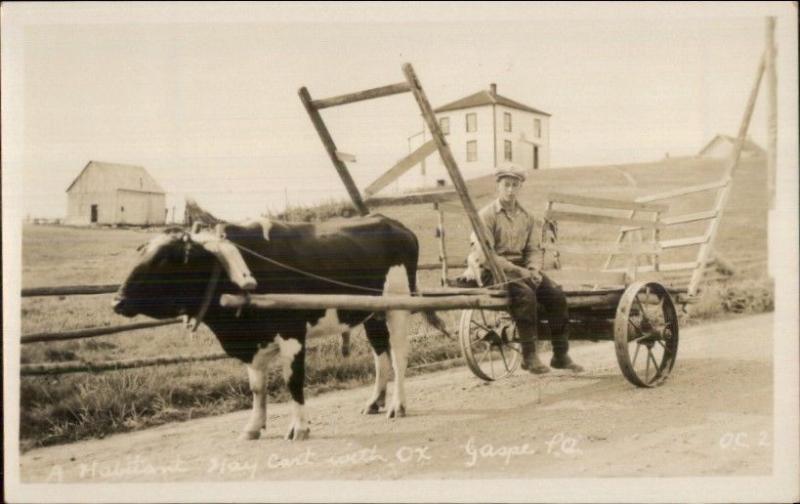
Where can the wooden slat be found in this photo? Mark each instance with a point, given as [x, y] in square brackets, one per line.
[558, 216]
[94, 331]
[437, 266]
[662, 267]
[401, 167]
[70, 290]
[733, 161]
[574, 199]
[362, 303]
[684, 242]
[330, 148]
[683, 191]
[345, 157]
[604, 248]
[461, 291]
[587, 277]
[687, 218]
[452, 169]
[368, 94]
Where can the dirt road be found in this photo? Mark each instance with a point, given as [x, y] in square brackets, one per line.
[712, 417]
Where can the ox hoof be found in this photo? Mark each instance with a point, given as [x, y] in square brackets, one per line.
[371, 409]
[249, 435]
[296, 434]
[396, 411]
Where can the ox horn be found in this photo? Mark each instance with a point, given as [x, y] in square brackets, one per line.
[230, 258]
[155, 244]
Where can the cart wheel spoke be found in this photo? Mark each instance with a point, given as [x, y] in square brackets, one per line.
[503, 356]
[483, 317]
[485, 328]
[652, 357]
[645, 318]
[647, 369]
[635, 354]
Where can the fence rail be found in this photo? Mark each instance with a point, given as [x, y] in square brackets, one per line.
[91, 332]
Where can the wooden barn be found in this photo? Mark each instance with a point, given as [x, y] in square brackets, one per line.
[721, 147]
[112, 193]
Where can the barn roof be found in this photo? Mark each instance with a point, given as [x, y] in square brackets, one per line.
[749, 145]
[487, 97]
[121, 176]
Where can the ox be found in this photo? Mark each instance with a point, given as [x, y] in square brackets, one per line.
[179, 273]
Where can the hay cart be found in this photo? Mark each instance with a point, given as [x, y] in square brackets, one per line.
[634, 305]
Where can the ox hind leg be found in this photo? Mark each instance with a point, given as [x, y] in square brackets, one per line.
[257, 376]
[397, 323]
[293, 353]
[378, 336]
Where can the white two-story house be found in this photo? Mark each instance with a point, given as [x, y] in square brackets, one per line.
[483, 130]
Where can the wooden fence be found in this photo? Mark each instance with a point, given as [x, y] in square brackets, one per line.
[742, 264]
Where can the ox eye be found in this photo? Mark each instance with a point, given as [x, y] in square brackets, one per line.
[141, 247]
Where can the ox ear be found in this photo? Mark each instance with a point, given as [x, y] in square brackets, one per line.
[230, 258]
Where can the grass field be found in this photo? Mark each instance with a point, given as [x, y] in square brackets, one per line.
[69, 407]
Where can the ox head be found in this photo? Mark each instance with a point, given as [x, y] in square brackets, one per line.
[173, 273]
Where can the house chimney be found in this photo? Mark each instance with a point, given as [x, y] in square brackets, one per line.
[493, 89]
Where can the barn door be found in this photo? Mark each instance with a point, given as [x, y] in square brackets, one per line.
[94, 213]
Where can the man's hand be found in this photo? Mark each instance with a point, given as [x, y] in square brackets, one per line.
[536, 275]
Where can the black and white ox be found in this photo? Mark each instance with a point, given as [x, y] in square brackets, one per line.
[179, 274]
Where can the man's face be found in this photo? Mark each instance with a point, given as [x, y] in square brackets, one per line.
[507, 189]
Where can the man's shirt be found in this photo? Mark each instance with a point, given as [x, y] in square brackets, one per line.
[511, 234]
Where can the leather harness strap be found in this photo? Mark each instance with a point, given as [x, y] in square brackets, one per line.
[193, 322]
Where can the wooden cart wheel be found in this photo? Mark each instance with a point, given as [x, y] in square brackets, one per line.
[489, 343]
[646, 334]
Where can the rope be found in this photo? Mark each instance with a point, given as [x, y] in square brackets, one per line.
[337, 282]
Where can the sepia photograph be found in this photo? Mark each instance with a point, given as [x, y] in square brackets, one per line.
[400, 252]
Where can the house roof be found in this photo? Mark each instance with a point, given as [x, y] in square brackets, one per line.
[749, 145]
[114, 176]
[486, 97]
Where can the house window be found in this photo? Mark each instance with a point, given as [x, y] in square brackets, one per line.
[507, 150]
[506, 121]
[472, 150]
[537, 128]
[472, 123]
[444, 125]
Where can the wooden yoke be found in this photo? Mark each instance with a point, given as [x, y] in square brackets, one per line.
[452, 169]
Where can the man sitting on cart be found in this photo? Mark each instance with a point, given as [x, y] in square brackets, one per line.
[510, 229]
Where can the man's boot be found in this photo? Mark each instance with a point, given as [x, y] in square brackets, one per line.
[530, 358]
[561, 358]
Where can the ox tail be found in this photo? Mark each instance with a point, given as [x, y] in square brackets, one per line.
[431, 317]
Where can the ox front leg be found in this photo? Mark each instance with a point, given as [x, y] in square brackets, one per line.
[293, 360]
[398, 338]
[257, 375]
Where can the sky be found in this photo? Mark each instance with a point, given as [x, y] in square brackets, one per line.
[205, 96]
